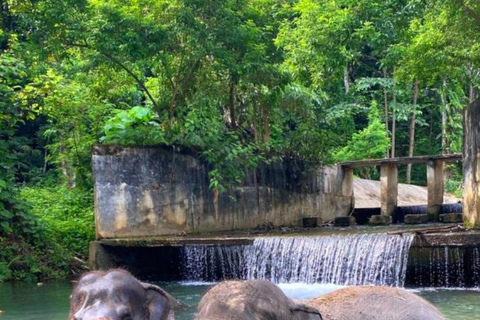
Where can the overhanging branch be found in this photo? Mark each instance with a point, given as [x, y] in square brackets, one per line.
[469, 11]
[124, 67]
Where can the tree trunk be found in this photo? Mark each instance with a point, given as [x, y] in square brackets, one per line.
[45, 154]
[254, 120]
[444, 117]
[471, 161]
[69, 176]
[346, 79]
[412, 133]
[266, 124]
[385, 96]
[394, 124]
[232, 104]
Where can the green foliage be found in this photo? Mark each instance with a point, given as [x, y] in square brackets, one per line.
[240, 81]
[13, 217]
[454, 187]
[62, 228]
[454, 181]
[65, 214]
[230, 159]
[137, 126]
[369, 143]
[291, 79]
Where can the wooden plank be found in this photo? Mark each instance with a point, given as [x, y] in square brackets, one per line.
[402, 160]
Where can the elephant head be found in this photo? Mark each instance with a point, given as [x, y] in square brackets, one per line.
[117, 295]
[253, 300]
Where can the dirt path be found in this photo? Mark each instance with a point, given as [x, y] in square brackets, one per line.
[367, 194]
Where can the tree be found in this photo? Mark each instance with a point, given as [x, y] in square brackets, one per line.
[369, 143]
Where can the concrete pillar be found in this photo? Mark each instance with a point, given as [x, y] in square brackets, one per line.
[435, 188]
[345, 187]
[345, 178]
[471, 163]
[388, 188]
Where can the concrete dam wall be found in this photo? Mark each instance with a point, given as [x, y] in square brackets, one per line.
[144, 192]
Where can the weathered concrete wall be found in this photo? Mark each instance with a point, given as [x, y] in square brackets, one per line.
[156, 191]
[471, 165]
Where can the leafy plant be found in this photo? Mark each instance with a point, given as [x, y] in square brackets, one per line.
[66, 214]
[61, 226]
[369, 143]
[137, 126]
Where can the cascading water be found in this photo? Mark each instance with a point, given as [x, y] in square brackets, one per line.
[444, 267]
[204, 263]
[378, 259]
[343, 260]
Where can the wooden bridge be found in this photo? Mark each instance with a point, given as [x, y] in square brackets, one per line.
[389, 181]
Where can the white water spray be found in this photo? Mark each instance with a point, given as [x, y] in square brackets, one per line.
[371, 259]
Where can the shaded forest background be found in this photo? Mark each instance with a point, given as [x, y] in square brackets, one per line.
[240, 81]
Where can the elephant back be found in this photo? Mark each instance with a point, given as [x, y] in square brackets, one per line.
[374, 303]
[254, 300]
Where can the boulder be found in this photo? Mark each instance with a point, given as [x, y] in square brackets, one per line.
[416, 218]
[345, 221]
[380, 220]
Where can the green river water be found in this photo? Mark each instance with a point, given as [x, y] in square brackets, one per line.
[20, 301]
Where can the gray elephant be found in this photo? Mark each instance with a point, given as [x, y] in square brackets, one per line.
[374, 303]
[263, 300]
[117, 295]
[251, 300]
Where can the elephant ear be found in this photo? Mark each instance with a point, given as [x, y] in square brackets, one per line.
[309, 313]
[160, 303]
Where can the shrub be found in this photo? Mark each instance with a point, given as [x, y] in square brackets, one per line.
[60, 227]
[65, 214]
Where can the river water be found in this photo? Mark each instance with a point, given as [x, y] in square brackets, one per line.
[21, 301]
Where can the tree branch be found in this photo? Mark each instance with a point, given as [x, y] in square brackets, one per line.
[469, 11]
[124, 67]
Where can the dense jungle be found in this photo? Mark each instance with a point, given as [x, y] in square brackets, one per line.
[241, 82]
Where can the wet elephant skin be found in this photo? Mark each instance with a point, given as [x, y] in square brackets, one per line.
[117, 295]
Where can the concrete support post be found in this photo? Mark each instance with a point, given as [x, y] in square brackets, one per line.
[388, 188]
[471, 163]
[347, 182]
[345, 185]
[435, 189]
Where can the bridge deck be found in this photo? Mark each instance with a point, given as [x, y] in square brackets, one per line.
[402, 160]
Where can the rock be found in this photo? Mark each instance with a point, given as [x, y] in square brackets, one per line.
[310, 222]
[380, 220]
[416, 218]
[451, 218]
[286, 229]
[345, 221]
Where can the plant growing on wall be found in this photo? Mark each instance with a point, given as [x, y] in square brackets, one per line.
[134, 127]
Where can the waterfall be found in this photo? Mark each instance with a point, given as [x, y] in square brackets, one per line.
[444, 267]
[208, 263]
[370, 259]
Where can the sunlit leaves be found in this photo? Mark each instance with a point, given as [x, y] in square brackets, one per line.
[369, 143]
[137, 126]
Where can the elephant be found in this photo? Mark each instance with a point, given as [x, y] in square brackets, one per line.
[374, 303]
[263, 300]
[117, 295]
[251, 300]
